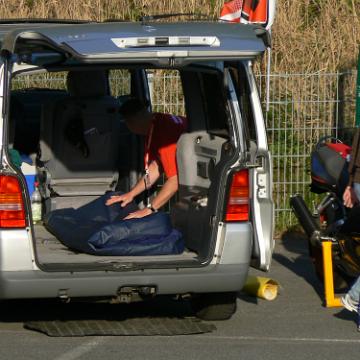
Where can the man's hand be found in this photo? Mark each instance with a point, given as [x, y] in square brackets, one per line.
[349, 197]
[124, 199]
[139, 214]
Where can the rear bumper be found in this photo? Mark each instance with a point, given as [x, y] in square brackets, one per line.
[38, 284]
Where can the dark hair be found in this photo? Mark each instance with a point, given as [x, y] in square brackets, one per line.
[132, 107]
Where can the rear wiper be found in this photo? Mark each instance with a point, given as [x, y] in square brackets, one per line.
[148, 18]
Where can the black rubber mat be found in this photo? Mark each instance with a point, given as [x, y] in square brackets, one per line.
[127, 327]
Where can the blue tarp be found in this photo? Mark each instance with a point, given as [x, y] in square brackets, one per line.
[98, 229]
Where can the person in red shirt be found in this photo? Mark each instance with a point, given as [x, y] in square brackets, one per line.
[162, 132]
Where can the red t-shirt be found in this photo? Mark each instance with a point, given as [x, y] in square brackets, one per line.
[166, 130]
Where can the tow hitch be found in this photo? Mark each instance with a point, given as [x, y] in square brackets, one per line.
[128, 294]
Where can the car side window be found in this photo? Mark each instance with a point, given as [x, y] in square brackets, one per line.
[213, 101]
[242, 88]
[120, 82]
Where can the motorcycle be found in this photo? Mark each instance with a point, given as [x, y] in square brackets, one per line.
[330, 220]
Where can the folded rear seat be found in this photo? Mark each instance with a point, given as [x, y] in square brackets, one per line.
[79, 141]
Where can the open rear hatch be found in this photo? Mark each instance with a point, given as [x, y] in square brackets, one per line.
[173, 44]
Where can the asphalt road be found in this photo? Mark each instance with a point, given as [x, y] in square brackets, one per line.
[294, 326]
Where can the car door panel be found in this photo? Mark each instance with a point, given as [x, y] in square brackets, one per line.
[262, 202]
[259, 165]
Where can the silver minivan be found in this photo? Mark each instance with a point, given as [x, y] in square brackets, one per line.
[224, 206]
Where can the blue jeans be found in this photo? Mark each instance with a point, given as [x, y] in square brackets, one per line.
[354, 292]
[356, 187]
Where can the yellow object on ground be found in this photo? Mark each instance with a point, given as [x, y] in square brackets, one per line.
[330, 299]
[261, 287]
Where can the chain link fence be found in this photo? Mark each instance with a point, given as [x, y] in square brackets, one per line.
[302, 109]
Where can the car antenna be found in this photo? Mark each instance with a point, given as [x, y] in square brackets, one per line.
[147, 18]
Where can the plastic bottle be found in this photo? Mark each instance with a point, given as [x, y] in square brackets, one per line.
[36, 206]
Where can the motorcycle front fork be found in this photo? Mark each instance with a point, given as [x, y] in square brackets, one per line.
[331, 213]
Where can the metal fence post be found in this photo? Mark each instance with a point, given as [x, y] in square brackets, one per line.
[358, 94]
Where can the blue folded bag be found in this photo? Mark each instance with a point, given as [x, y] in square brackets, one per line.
[98, 229]
[150, 235]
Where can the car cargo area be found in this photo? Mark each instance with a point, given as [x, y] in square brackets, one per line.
[42, 123]
[51, 251]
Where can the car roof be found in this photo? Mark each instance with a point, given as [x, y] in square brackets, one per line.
[105, 40]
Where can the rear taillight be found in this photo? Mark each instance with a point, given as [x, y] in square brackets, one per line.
[237, 208]
[322, 218]
[12, 213]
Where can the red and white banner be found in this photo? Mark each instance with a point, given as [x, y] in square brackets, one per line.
[260, 12]
[231, 11]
